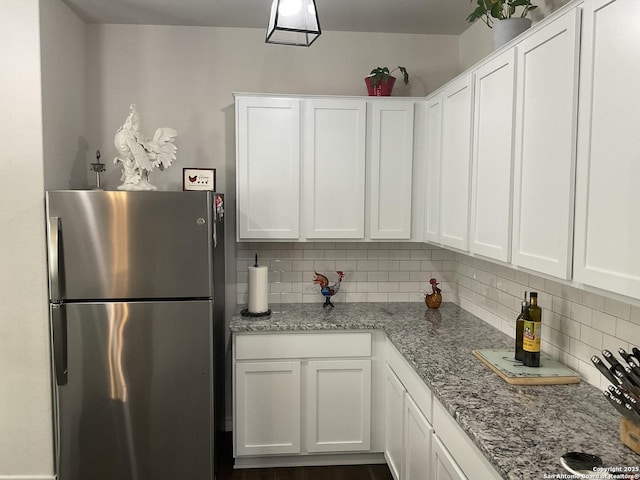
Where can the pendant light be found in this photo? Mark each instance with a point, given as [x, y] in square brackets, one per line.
[293, 22]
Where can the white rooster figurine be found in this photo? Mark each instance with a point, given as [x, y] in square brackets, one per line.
[139, 155]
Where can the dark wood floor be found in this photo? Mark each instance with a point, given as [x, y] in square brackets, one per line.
[343, 472]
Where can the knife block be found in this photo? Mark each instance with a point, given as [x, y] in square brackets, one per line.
[630, 434]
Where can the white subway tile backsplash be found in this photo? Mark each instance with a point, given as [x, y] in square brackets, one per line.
[356, 254]
[618, 309]
[378, 276]
[367, 287]
[604, 322]
[628, 330]
[378, 254]
[577, 323]
[367, 265]
[399, 276]
[335, 255]
[410, 265]
[591, 336]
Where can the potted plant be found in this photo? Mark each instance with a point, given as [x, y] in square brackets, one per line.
[506, 17]
[380, 82]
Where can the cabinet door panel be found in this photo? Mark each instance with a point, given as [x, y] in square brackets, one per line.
[334, 168]
[338, 405]
[607, 193]
[267, 408]
[434, 155]
[444, 467]
[545, 147]
[492, 160]
[391, 169]
[268, 168]
[394, 440]
[455, 164]
[418, 433]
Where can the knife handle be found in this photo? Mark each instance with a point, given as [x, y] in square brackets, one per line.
[635, 351]
[617, 404]
[609, 357]
[629, 358]
[633, 374]
[626, 382]
[604, 370]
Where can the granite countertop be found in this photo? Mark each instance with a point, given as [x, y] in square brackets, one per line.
[522, 430]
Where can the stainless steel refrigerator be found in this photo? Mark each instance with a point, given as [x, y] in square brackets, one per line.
[137, 307]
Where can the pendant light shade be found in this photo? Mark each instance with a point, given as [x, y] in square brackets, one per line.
[293, 22]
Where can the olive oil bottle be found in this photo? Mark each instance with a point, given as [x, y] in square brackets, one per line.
[520, 328]
[531, 335]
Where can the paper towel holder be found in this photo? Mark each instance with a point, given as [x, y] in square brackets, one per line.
[245, 311]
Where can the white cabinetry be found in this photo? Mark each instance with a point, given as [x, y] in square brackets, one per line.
[391, 167]
[288, 383]
[408, 435]
[394, 440]
[267, 408]
[268, 168]
[456, 163]
[434, 157]
[318, 168]
[547, 74]
[418, 437]
[334, 168]
[608, 170]
[444, 467]
[338, 405]
[492, 173]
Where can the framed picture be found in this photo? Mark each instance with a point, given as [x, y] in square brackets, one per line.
[199, 179]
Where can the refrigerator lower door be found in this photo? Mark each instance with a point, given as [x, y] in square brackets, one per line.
[137, 404]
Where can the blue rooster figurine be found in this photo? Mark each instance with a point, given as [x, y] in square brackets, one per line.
[328, 290]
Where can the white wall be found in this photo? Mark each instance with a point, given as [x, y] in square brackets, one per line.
[183, 77]
[477, 41]
[25, 388]
[66, 152]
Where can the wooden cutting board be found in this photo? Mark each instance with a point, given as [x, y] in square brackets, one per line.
[550, 371]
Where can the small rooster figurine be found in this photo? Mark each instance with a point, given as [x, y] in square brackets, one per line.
[328, 290]
[434, 299]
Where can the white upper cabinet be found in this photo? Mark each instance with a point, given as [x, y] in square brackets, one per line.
[434, 156]
[608, 169]
[268, 168]
[492, 171]
[391, 169]
[456, 163]
[334, 168]
[545, 139]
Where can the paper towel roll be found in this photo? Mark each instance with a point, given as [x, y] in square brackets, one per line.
[258, 289]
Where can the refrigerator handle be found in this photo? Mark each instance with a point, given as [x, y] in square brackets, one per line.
[54, 258]
[59, 329]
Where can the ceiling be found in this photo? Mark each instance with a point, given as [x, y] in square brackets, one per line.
[393, 16]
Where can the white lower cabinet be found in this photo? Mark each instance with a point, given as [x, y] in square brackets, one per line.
[267, 408]
[394, 438]
[338, 405]
[444, 467]
[301, 396]
[309, 404]
[409, 433]
[418, 434]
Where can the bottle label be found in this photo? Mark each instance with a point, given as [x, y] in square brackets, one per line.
[531, 336]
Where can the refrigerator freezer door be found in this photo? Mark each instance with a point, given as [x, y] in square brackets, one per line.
[137, 404]
[129, 245]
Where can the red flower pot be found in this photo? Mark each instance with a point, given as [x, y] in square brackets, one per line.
[382, 89]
